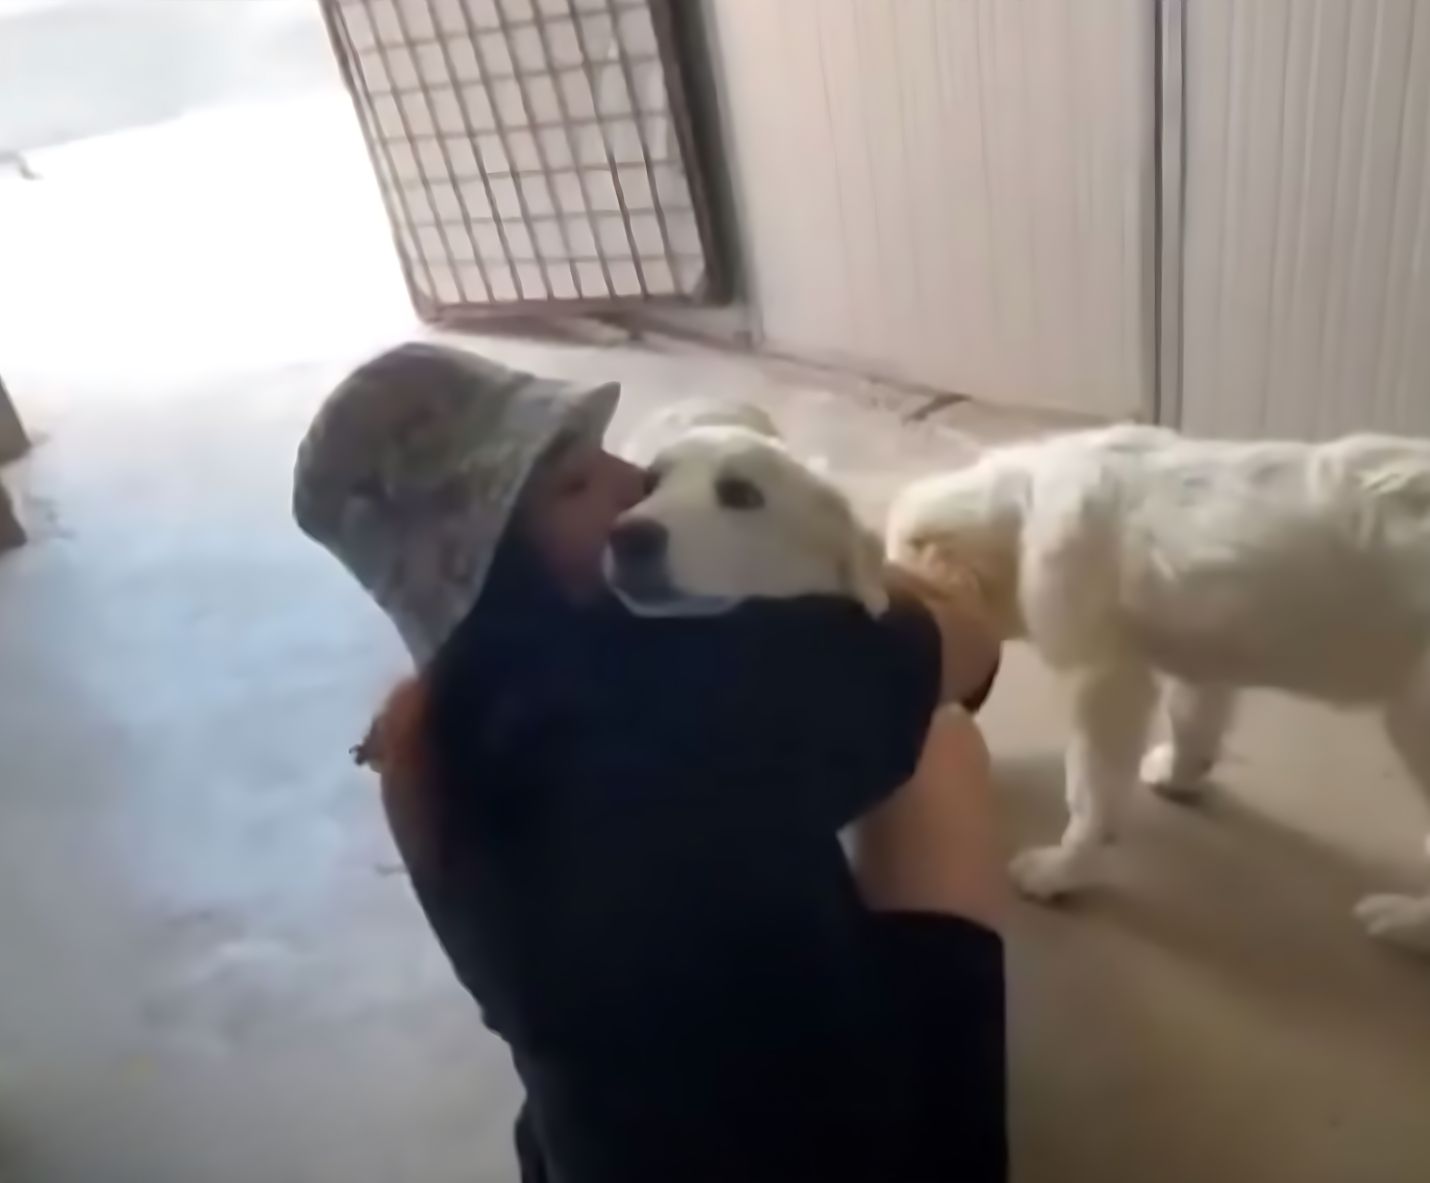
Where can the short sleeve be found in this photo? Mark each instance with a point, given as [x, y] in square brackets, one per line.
[842, 701]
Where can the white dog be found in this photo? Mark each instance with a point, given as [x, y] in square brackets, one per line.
[732, 515]
[671, 424]
[1129, 552]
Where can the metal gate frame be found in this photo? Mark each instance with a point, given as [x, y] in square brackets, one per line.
[574, 273]
[1169, 212]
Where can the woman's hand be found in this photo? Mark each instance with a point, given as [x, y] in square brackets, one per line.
[971, 647]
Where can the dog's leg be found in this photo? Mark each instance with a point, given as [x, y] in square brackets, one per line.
[1111, 711]
[1197, 720]
[1404, 920]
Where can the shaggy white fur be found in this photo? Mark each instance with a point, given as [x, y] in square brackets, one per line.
[1132, 552]
[732, 514]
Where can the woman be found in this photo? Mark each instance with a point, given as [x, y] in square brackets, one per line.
[625, 832]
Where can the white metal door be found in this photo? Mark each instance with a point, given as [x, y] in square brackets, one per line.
[1306, 307]
[955, 193]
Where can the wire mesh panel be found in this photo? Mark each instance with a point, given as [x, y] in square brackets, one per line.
[528, 151]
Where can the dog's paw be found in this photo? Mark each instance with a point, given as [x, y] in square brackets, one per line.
[1400, 920]
[1048, 873]
[1170, 776]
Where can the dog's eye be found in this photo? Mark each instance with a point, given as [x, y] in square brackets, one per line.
[735, 492]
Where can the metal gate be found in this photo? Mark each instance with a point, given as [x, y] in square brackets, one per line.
[530, 153]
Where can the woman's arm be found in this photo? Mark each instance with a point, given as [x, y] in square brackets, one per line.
[395, 748]
[933, 846]
[838, 704]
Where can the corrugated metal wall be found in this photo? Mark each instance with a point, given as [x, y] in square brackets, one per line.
[1307, 277]
[956, 193]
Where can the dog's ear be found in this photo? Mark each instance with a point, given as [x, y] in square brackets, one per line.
[672, 423]
[755, 418]
[864, 570]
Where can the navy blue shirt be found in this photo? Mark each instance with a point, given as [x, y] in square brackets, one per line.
[670, 938]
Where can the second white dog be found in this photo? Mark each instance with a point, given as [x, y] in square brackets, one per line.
[1130, 552]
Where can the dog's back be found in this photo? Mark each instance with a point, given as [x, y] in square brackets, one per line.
[1130, 552]
[1294, 565]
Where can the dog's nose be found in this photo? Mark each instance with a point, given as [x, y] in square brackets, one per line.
[638, 542]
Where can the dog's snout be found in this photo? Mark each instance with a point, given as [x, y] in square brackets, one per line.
[639, 541]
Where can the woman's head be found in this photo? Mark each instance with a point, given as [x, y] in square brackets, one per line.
[425, 459]
[568, 508]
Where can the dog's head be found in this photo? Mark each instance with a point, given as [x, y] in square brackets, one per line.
[673, 423]
[732, 515]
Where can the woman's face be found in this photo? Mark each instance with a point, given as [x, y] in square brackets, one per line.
[571, 505]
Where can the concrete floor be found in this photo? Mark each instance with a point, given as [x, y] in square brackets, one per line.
[72, 69]
[209, 969]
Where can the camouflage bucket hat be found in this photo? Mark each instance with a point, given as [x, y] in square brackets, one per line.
[413, 466]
